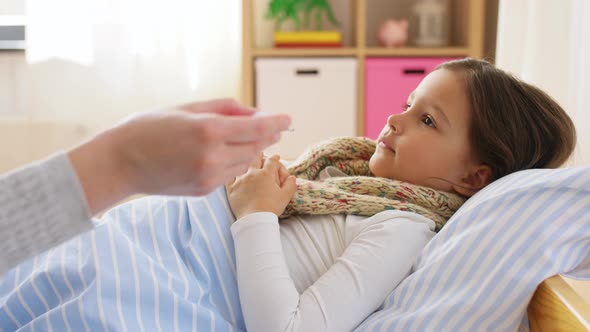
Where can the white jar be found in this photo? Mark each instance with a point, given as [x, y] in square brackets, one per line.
[432, 23]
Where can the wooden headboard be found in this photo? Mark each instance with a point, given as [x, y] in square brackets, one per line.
[557, 307]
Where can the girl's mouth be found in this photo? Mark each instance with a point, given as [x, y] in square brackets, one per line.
[386, 146]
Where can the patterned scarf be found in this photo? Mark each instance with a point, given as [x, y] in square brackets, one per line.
[360, 193]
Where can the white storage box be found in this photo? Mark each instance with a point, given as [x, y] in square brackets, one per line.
[318, 93]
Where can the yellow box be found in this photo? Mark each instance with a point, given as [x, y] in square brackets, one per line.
[307, 37]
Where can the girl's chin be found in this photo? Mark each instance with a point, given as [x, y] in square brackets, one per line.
[380, 167]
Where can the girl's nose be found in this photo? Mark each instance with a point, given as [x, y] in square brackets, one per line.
[394, 123]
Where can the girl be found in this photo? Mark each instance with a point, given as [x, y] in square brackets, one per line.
[466, 125]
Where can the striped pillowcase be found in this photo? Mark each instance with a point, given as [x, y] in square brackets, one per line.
[481, 270]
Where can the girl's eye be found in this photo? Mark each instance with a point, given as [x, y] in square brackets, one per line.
[406, 106]
[427, 120]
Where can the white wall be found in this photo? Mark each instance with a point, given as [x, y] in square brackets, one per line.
[12, 7]
[546, 43]
[534, 47]
[80, 98]
[56, 104]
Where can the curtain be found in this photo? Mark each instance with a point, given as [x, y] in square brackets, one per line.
[117, 56]
[579, 84]
[547, 43]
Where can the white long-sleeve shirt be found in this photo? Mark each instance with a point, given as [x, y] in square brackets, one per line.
[322, 273]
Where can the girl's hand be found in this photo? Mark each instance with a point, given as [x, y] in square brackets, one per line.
[265, 187]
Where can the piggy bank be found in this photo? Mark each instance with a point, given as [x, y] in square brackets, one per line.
[393, 33]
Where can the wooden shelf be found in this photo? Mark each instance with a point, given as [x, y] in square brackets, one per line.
[351, 51]
[417, 51]
[284, 52]
[360, 20]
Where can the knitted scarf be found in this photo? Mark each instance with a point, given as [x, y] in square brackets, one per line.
[360, 193]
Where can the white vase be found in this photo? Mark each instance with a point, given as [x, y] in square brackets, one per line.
[432, 23]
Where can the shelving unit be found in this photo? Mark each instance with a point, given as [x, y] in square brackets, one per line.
[361, 19]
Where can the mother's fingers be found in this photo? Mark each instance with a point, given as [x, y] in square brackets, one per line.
[245, 129]
[247, 153]
[219, 106]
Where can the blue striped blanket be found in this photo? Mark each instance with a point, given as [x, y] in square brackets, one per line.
[168, 264]
[153, 264]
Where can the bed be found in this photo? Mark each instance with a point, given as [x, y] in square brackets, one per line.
[556, 306]
[167, 263]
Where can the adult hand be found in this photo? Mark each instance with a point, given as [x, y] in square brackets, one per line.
[187, 150]
[266, 187]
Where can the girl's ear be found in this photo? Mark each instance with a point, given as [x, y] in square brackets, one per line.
[477, 178]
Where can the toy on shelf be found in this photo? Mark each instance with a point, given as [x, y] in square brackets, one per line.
[393, 33]
[300, 12]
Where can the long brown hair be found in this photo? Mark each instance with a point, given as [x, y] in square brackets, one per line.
[515, 125]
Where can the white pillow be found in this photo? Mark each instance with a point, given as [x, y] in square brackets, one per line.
[481, 270]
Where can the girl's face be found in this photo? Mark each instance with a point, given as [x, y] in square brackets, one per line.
[429, 141]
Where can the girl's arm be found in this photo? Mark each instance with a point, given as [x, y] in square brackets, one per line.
[355, 286]
[377, 259]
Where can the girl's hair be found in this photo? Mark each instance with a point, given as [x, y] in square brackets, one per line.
[514, 125]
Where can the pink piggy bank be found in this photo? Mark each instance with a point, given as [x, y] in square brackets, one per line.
[393, 33]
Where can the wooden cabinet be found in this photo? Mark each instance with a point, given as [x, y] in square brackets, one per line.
[298, 86]
[360, 21]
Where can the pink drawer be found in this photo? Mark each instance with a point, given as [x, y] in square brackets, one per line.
[389, 81]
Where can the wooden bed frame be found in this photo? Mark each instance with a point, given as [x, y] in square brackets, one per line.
[556, 306]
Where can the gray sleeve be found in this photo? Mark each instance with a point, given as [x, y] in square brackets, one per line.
[41, 206]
